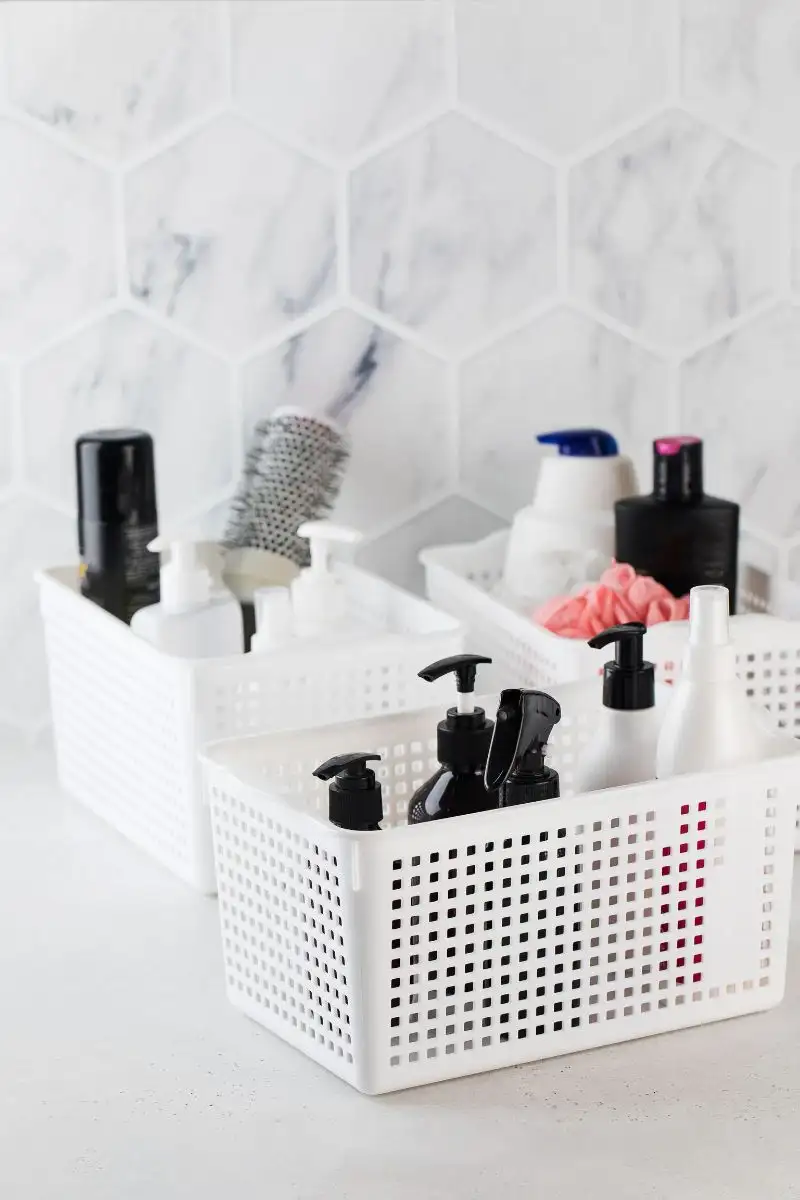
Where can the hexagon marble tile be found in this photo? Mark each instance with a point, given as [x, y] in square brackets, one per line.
[742, 395]
[355, 72]
[231, 234]
[562, 71]
[113, 77]
[563, 370]
[675, 230]
[32, 535]
[126, 371]
[452, 232]
[387, 395]
[740, 67]
[7, 446]
[56, 252]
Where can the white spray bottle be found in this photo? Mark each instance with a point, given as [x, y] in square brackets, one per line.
[196, 617]
[710, 723]
[319, 596]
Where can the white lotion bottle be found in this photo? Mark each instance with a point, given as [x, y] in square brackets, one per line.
[569, 526]
[710, 723]
[196, 617]
[623, 747]
[319, 596]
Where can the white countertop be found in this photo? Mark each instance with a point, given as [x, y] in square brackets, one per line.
[125, 1075]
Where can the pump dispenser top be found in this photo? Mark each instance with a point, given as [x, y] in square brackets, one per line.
[195, 618]
[185, 582]
[516, 763]
[629, 683]
[462, 745]
[319, 598]
[354, 797]
[622, 748]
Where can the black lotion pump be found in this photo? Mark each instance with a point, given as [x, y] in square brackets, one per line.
[354, 797]
[462, 746]
[516, 763]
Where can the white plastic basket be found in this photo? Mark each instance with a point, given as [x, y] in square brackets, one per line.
[129, 721]
[427, 952]
[459, 580]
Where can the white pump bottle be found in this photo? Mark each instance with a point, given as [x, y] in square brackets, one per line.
[196, 617]
[319, 597]
[710, 722]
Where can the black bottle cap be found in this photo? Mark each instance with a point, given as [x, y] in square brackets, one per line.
[629, 683]
[116, 478]
[463, 737]
[516, 765]
[678, 468]
[354, 797]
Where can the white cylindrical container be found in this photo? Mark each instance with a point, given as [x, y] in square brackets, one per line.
[274, 619]
[710, 723]
[572, 511]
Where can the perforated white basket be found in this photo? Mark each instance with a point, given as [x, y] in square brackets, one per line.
[129, 721]
[459, 580]
[422, 953]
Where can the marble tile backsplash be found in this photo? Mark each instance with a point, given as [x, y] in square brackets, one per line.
[447, 223]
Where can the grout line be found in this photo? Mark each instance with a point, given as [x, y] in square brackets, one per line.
[499, 130]
[226, 41]
[277, 338]
[453, 394]
[580, 305]
[67, 332]
[785, 232]
[674, 395]
[406, 515]
[505, 329]
[404, 332]
[18, 439]
[562, 233]
[466, 492]
[342, 232]
[182, 332]
[120, 241]
[178, 134]
[674, 51]
[289, 141]
[451, 51]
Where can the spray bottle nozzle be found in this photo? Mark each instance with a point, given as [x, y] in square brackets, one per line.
[354, 797]
[629, 681]
[581, 443]
[516, 764]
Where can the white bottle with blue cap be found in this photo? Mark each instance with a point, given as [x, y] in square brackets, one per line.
[566, 536]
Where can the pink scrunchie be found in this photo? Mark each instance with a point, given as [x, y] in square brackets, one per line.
[620, 595]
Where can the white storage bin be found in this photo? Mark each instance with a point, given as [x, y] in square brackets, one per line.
[459, 579]
[129, 721]
[427, 952]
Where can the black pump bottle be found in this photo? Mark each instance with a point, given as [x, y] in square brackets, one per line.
[516, 763]
[462, 746]
[354, 797]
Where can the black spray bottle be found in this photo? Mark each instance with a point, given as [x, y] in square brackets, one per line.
[354, 797]
[462, 747]
[516, 763]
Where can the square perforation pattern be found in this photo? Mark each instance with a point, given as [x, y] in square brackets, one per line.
[532, 937]
[281, 912]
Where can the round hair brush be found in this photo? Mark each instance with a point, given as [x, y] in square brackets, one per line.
[292, 474]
